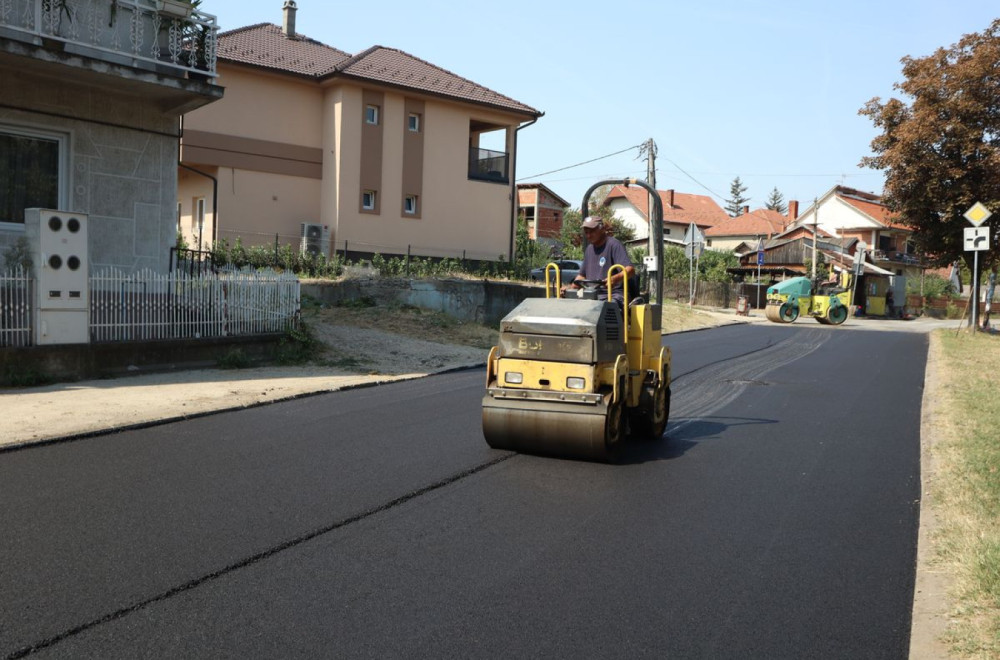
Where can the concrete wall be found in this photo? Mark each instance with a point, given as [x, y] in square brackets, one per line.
[122, 171]
[479, 301]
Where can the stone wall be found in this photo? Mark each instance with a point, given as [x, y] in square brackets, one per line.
[120, 165]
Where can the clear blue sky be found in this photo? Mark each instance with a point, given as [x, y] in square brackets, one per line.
[767, 91]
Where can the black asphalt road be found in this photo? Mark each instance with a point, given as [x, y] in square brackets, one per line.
[779, 519]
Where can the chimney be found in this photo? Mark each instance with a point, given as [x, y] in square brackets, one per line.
[288, 26]
[793, 211]
[670, 198]
[746, 210]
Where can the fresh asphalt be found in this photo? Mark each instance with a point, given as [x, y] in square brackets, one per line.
[779, 519]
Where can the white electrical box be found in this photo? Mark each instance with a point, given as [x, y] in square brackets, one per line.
[650, 263]
[58, 241]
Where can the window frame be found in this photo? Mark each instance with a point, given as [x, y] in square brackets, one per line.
[372, 113]
[412, 211]
[413, 122]
[63, 140]
[374, 200]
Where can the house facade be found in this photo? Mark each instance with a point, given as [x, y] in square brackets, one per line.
[631, 205]
[89, 120]
[852, 214]
[378, 152]
[542, 210]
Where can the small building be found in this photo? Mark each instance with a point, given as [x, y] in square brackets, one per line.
[542, 210]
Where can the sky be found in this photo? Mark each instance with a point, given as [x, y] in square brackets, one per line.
[766, 91]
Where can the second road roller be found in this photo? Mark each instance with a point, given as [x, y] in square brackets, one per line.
[572, 377]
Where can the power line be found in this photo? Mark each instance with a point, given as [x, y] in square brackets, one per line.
[592, 160]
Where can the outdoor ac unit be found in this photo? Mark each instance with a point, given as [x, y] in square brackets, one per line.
[315, 239]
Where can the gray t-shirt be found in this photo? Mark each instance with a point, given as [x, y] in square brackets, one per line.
[597, 261]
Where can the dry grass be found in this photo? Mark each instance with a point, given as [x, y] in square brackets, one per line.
[967, 489]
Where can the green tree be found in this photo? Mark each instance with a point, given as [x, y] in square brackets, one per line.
[940, 150]
[776, 202]
[737, 200]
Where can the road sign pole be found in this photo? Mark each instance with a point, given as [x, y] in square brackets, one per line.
[758, 284]
[975, 290]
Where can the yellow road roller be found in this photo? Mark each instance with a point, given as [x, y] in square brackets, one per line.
[787, 300]
[572, 377]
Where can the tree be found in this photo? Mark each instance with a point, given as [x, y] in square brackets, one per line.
[941, 152]
[776, 202]
[736, 201]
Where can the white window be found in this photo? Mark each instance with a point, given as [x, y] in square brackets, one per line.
[179, 217]
[368, 200]
[371, 114]
[410, 204]
[32, 172]
[413, 123]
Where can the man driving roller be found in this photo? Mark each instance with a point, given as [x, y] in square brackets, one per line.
[603, 252]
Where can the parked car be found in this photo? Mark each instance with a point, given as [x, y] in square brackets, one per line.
[568, 270]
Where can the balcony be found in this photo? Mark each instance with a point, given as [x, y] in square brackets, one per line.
[895, 257]
[142, 35]
[487, 165]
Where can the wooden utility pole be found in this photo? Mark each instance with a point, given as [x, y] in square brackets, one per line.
[649, 148]
[815, 236]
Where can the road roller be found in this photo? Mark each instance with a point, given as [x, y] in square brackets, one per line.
[788, 300]
[575, 376]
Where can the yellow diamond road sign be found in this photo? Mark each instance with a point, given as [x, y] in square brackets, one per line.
[978, 214]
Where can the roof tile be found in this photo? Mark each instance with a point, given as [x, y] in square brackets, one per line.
[265, 45]
[699, 209]
[760, 222]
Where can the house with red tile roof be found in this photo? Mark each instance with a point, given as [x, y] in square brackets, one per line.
[748, 227]
[542, 210]
[852, 214]
[631, 205]
[376, 152]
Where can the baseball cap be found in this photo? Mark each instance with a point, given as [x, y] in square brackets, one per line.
[590, 222]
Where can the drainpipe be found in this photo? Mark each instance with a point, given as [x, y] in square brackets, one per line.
[513, 188]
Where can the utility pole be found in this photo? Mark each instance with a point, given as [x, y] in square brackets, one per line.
[815, 235]
[649, 149]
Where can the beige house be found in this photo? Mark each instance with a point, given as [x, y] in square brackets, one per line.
[379, 152]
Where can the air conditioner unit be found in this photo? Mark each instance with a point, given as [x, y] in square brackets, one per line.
[315, 239]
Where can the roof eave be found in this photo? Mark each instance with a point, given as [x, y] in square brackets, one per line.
[340, 75]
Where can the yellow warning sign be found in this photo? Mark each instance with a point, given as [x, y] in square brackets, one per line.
[977, 214]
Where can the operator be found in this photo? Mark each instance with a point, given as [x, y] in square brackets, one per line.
[603, 252]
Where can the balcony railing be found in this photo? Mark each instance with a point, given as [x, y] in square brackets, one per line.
[898, 257]
[136, 33]
[487, 165]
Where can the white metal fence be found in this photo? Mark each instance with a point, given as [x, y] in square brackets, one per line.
[15, 307]
[146, 305]
[176, 305]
